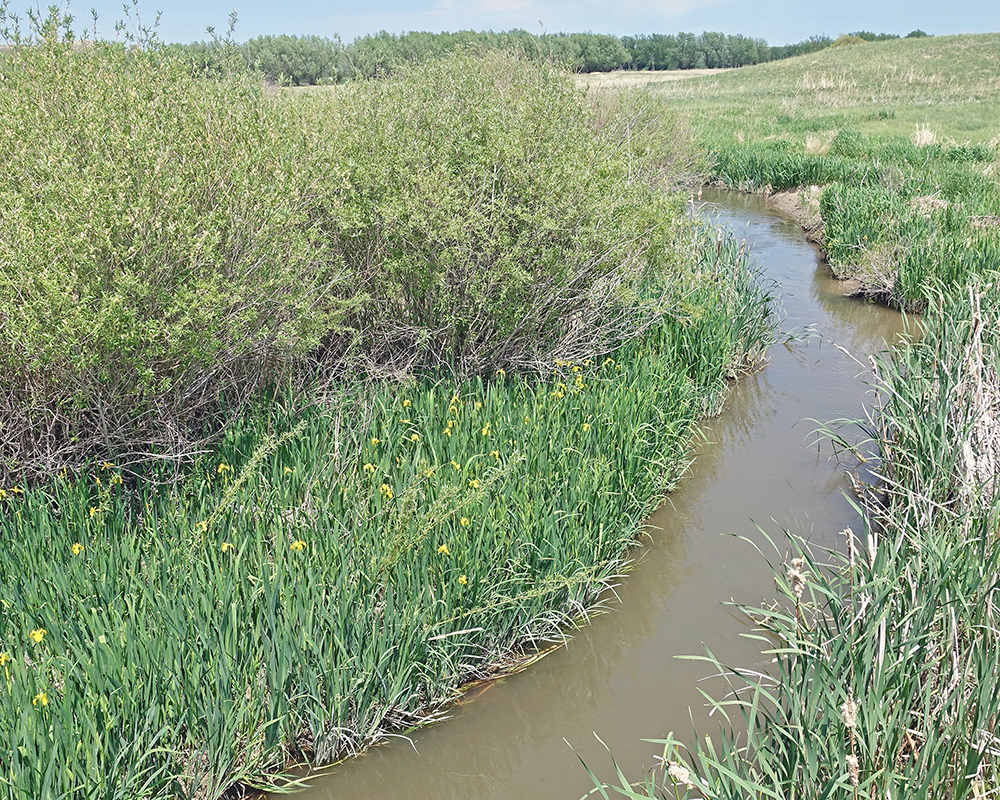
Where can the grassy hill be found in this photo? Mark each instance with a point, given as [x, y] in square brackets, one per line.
[903, 135]
[949, 84]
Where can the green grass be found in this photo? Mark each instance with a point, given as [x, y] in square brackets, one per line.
[904, 134]
[950, 84]
[901, 622]
[329, 575]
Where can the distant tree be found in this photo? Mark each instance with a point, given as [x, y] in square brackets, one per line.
[204, 57]
[383, 53]
[847, 39]
[870, 36]
[811, 45]
[303, 60]
[917, 34]
[298, 60]
[687, 47]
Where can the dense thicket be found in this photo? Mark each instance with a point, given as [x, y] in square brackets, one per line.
[450, 201]
[293, 60]
[173, 242]
[308, 60]
[688, 51]
[159, 250]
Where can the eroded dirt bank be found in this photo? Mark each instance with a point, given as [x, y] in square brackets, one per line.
[802, 204]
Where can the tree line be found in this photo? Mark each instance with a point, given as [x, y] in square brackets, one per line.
[312, 60]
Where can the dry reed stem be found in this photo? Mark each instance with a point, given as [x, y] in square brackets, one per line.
[978, 396]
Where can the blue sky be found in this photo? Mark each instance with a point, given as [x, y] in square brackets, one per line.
[778, 21]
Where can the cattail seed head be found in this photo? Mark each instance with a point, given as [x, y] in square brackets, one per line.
[680, 775]
[796, 577]
[851, 546]
[852, 769]
[849, 713]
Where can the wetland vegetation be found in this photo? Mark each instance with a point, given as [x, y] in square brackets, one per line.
[900, 135]
[885, 662]
[317, 407]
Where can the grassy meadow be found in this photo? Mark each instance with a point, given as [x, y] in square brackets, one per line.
[886, 666]
[317, 407]
[902, 136]
[950, 84]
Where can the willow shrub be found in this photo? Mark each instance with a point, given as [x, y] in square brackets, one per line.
[158, 249]
[490, 221]
[171, 243]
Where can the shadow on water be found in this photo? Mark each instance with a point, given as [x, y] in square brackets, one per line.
[619, 677]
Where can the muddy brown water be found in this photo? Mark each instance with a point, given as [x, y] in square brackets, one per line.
[620, 677]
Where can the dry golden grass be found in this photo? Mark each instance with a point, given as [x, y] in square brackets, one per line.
[639, 79]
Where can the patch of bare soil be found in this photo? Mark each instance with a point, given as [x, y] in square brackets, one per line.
[802, 204]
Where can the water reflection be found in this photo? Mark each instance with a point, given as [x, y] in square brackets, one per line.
[619, 677]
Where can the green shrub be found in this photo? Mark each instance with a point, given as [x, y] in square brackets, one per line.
[172, 243]
[490, 223]
[847, 39]
[159, 252]
[301, 60]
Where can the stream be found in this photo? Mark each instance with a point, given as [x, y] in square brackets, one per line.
[518, 738]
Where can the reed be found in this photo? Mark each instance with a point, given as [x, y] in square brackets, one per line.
[880, 664]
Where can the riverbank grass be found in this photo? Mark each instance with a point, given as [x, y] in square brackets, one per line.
[328, 576]
[885, 668]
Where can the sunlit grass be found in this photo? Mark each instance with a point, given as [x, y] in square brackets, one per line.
[884, 666]
[903, 134]
[949, 83]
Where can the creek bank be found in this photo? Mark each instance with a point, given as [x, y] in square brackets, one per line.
[802, 205]
[619, 676]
